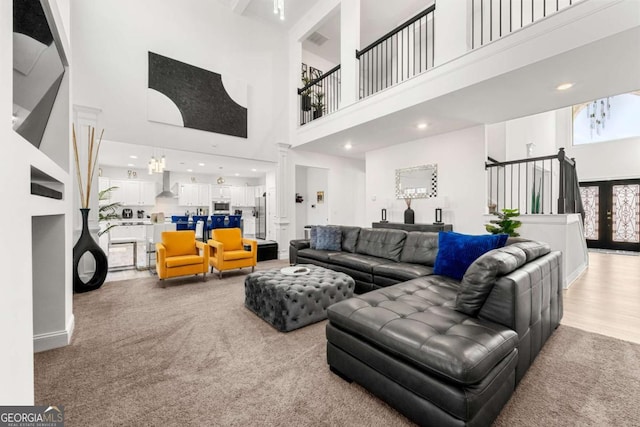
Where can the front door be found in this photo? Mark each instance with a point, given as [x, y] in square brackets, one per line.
[612, 214]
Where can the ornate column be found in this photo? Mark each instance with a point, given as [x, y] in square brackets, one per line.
[283, 201]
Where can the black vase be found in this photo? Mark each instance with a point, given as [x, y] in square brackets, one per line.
[408, 216]
[86, 244]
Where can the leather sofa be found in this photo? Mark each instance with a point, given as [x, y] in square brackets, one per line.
[374, 258]
[442, 351]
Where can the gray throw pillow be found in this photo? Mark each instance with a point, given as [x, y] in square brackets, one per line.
[313, 234]
[329, 238]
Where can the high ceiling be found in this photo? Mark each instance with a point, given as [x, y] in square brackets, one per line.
[376, 19]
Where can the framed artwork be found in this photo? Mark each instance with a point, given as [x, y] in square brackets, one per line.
[320, 197]
[314, 73]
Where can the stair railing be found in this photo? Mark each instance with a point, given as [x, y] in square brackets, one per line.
[530, 185]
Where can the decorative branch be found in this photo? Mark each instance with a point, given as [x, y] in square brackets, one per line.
[92, 160]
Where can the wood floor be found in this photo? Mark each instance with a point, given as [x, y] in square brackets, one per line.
[606, 298]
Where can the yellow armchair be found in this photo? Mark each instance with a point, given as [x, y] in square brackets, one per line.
[227, 250]
[180, 254]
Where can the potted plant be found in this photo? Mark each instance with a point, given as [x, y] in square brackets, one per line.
[318, 105]
[505, 224]
[305, 99]
[107, 212]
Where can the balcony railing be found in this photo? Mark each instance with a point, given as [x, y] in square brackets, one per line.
[400, 54]
[492, 19]
[320, 96]
[537, 185]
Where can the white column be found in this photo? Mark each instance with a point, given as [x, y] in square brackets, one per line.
[283, 201]
[349, 43]
[452, 30]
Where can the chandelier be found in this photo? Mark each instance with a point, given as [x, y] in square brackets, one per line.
[156, 165]
[278, 8]
[598, 112]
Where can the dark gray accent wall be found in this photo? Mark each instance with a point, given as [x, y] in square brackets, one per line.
[199, 95]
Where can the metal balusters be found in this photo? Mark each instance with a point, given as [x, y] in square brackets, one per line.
[398, 47]
[320, 96]
[491, 29]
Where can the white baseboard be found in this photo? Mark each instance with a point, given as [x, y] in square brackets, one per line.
[574, 275]
[51, 340]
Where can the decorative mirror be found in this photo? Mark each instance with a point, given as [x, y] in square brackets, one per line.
[419, 182]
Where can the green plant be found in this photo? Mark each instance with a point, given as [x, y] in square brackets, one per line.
[318, 102]
[108, 211]
[305, 81]
[535, 198]
[505, 224]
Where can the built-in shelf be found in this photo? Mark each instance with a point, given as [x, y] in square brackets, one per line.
[44, 185]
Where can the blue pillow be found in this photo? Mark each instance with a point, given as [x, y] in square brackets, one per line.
[456, 252]
[329, 238]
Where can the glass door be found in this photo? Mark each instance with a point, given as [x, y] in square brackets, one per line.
[612, 214]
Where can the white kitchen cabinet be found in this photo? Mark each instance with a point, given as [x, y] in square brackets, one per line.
[134, 193]
[204, 197]
[249, 225]
[132, 232]
[220, 192]
[148, 193]
[249, 194]
[237, 196]
[193, 195]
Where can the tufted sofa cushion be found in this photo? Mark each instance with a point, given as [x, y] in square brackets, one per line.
[381, 243]
[415, 321]
[349, 238]
[482, 273]
[420, 248]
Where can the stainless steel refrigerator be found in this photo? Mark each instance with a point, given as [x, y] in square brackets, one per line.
[261, 217]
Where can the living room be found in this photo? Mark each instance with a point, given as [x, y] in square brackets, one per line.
[107, 52]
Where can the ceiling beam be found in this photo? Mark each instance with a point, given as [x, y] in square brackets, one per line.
[239, 6]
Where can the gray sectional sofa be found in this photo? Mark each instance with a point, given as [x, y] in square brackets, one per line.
[441, 351]
[374, 258]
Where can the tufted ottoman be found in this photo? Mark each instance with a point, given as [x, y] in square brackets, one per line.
[291, 302]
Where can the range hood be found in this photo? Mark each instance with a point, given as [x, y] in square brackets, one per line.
[166, 186]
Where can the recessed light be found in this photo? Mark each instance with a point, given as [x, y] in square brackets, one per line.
[200, 164]
[236, 174]
[565, 86]
[254, 170]
[130, 164]
[133, 157]
[348, 146]
[189, 170]
[421, 126]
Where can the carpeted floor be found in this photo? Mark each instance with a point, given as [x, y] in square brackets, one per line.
[190, 353]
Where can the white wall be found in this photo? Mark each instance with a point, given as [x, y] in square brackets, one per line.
[111, 42]
[461, 179]
[301, 208]
[317, 211]
[16, 260]
[315, 61]
[344, 192]
[618, 159]
[538, 129]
